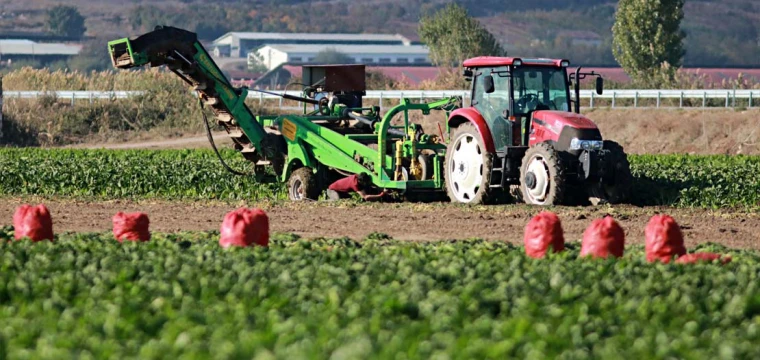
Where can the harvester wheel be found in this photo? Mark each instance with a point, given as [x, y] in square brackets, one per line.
[303, 185]
[467, 167]
[542, 181]
[615, 187]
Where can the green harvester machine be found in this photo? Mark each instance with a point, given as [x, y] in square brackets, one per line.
[333, 137]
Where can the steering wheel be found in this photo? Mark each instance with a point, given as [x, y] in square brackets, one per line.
[527, 99]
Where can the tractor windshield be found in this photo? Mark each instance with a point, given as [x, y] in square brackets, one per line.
[539, 88]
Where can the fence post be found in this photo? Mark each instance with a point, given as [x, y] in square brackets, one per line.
[636, 99]
[261, 98]
[704, 99]
[728, 96]
[380, 104]
[591, 105]
[72, 98]
[280, 103]
[750, 98]
[733, 102]
[658, 99]
[422, 92]
[680, 103]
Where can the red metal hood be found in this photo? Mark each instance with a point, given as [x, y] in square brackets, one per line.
[558, 119]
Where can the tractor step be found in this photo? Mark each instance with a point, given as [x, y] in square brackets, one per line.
[211, 101]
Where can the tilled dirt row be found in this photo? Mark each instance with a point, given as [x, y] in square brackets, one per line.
[414, 222]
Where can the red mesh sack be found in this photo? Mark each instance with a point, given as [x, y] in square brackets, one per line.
[694, 258]
[604, 237]
[543, 231]
[131, 226]
[33, 222]
[245, 227]
[663, 239]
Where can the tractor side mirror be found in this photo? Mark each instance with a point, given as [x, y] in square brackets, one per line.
[599, 85]
[488, 86]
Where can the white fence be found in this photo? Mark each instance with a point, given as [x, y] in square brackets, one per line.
[611, 97]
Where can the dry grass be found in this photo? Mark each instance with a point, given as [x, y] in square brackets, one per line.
[693, 131]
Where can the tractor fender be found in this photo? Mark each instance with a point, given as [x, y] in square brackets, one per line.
[460, 116]
[297, 157]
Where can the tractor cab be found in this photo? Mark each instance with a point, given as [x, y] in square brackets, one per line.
[507, 91]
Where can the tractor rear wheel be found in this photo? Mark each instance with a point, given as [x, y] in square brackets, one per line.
[467, 167]
[303, 185]
[542, 181]
[616, 187]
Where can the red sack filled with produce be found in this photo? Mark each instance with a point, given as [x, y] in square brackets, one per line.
[544, 231]
[604, 237]
[694, 258]
[663, 239]
[131, 226]
[33, 222]
[245, 227]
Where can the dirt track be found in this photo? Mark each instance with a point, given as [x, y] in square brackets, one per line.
[402, 221]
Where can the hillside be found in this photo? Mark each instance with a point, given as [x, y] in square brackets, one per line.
[720, 33]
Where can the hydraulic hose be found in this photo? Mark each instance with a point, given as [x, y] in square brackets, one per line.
[371, 123]
[213, 145]
[289, 97]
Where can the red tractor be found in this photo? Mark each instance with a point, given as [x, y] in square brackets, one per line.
[519, 131]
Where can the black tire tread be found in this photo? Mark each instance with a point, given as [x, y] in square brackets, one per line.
[309, 183]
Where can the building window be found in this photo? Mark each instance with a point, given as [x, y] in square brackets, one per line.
[402, 60]
[296, 59]
[384, 60]
[311, 59]
[367, 60]
[420, 60]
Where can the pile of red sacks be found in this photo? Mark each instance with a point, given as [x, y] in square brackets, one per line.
[604, 238]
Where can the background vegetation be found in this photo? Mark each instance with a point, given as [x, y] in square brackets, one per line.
[719, 32]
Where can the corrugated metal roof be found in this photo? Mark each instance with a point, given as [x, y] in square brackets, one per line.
[26, 47]
[352, 49]
[312, 36]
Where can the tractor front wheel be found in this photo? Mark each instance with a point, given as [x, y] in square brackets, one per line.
[467, 167]
[303, 185]
[542, 180]
[616, 186]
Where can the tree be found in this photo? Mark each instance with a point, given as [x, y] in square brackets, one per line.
[92, 57]
[648, 41]
[65, 20]
[453, 36]
[332, 56]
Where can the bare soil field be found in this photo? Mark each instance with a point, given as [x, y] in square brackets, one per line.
[415, 222]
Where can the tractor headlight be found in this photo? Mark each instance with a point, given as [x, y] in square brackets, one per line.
[577, 144]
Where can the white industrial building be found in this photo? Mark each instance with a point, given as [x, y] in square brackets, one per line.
[273, 56]
[16, 49]
[239, 44]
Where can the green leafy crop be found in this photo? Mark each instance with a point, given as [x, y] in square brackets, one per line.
[182, 296]
[678, 180]
[169, 174]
